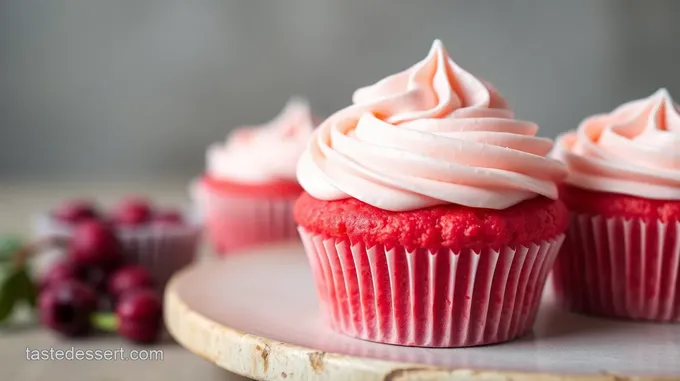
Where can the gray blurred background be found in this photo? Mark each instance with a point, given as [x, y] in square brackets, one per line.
[130, 88]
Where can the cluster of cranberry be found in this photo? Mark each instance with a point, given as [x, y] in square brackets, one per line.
[130, 212]
[94, 278]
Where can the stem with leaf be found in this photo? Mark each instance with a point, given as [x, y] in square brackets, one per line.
[16, 284]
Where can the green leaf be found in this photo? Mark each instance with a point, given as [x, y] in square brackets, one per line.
[25, 288]
[9, 245]
[8, 295]
[104, 321]
[5, 270]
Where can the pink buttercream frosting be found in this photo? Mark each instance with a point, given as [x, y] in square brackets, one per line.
[633, 150]
[259, 154]
[433, 134]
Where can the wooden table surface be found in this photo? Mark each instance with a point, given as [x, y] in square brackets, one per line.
[19, 201]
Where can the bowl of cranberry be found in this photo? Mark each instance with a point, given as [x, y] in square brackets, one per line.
[160, 239]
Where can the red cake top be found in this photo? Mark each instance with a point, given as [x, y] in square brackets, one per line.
[621, 205]
[450, 226]
[272, 189]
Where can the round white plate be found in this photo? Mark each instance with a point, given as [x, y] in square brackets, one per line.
[256, 314]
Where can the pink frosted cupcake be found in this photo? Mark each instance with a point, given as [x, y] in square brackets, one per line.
[247, 192]
[430, 216]
[621, 257]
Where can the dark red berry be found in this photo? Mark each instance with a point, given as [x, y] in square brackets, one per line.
[57, 272]
[66, 306]
[133, 211]
[139, 315]
[94, 243]
[127, 279]
[168, 217]
[95, 276]
[75, 211]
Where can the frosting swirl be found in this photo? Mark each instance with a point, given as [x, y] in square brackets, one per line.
[633, 150]
[259, 154]
[433, 134]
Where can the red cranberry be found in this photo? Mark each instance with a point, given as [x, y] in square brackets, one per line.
[127, 279]
[66, 307]
[75, 211]
[95, 276]
[133, 211]
[94, 243]
[58, 272]
[139, 315]
[168, 217]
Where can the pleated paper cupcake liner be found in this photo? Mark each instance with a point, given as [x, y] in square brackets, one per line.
[427, 298]
[234, 222]
[196, 192]
[163, 250]
[620, 267]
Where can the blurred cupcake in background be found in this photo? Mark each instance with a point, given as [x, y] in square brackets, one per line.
[621, 257]
[247, 191]
[430, 215]
[163, 240]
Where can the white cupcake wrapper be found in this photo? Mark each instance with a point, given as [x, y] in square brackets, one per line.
[162, 251]
[456, 299]
[620, 267]
[197, 196]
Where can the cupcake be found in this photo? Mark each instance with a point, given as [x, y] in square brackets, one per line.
[622, 252]
[247, 192]
[430, 215]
